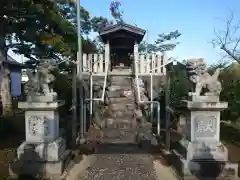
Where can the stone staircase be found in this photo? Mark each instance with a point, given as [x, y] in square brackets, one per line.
[119, 120]
[118, 156]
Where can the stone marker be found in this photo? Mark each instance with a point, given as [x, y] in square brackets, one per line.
[201, 154]
[43, 154]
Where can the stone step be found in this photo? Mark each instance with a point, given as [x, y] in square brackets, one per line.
[121, 126]
[121, 106]
[120, 81]
[119, 114]
[117, 87]
[115, 135]
[120, 94]
[113, 132]
[114, 88]
[122, 86]
[120, 100]
[126, 78]
[122, 113]
[130, 140]
[117, 93]
[120, 123]
[125, 115]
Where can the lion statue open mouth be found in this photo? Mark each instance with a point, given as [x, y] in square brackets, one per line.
[40, 81]
[198, 75]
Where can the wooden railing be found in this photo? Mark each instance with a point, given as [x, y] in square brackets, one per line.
[95, 63]
[151, 63]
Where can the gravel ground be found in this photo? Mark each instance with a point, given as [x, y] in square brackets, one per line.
[125, 166]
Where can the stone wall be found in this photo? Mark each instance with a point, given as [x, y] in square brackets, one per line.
[158, 95]
[146, 128]
[98, 106]
[158, 85]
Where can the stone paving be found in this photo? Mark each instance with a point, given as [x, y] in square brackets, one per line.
[119, 157]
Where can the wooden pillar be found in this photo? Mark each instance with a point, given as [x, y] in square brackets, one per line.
[107, 56]
[136, 47]
[135, 56]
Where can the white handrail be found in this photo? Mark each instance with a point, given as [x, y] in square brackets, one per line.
[91, 99]
[147, 102]
[151, 91]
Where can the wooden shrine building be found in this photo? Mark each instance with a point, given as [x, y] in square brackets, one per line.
[121, 39]
[121, 47]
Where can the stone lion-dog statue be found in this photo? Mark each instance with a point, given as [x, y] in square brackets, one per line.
[200, 78]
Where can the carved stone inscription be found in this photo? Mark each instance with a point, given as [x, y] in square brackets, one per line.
[38, 125]
[205, 126]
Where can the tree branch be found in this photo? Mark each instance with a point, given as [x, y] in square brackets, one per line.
[230, 54]
[228, 39]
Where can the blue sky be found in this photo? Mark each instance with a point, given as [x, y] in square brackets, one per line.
[195, 19]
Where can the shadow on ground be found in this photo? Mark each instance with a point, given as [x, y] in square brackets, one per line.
[119, 148]
[8, 147]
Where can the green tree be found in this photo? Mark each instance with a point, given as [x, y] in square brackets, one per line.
[179, 86]
[230, 80]
[40, 28]
[164, 42]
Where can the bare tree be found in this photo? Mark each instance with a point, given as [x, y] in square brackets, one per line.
[228, 39]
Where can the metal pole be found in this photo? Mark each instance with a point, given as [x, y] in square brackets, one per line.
[84, 114]
[91, 97]
[167, 115]
[151, 96]
[79, 26]
[74, 101]
[80, 67]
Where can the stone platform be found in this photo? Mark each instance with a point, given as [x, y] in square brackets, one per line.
[45, 160]
[203, 169]
[40, 169]
[43, 154]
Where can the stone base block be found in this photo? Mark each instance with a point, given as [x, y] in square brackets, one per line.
[42, 151]
[205, 98]
[40, 169]
[41, 98]
[204, 169]
[147, 140]
[207, 150]
[145, 144]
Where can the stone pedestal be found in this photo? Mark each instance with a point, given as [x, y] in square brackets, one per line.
[41, 120]
[202, 155]
[44, 153]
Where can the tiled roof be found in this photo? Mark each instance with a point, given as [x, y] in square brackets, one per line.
[120, 26]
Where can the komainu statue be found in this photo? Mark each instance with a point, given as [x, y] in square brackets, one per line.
[40, 82]
[198, 75]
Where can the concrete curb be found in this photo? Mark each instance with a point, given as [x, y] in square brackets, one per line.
[164, 172]
[77, 169]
